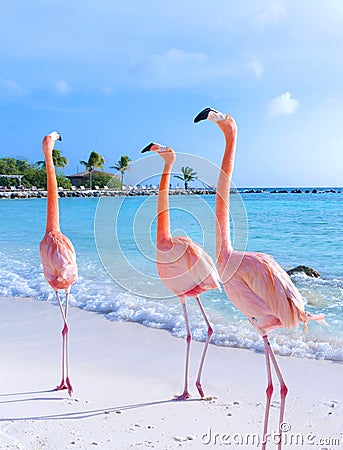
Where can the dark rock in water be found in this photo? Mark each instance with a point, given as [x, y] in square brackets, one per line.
[306, 270]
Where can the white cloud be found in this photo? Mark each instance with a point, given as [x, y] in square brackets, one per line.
[62, 87]
[174, 67]
[107, 90]
[271, 13]
[255, 65]
[177, 57]
[10, 86]
[284, 104]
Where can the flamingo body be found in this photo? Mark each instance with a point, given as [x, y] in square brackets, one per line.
[183, 265]
[57, 254]
[185, 268]
[263, 292]
[253, 282]
[59, 260]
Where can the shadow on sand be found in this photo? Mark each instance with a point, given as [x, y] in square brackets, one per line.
[77, 414]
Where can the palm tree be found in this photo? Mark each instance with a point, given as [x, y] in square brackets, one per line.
[187, 176]
[122, 166]
[94, 160]
[57, 158]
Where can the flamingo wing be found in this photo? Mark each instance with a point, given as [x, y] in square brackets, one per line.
[264, 292]
[58, 260]
[268, 281]
[186, 269]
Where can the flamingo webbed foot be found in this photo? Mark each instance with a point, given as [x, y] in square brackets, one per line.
[65, 385]
[69, 386]
[61, 386]
[182, 397]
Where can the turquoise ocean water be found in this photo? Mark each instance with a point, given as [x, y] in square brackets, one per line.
[114, 240]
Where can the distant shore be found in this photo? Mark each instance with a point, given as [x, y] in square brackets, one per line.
[134, 192]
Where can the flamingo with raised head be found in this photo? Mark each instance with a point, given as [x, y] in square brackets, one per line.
[183, 265]
[254, 282]
[57, 254]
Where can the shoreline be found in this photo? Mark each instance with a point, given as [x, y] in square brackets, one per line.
[125, 375]
[39, 193]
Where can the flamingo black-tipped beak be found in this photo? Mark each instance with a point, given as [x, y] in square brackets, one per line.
[202, 115]
[147, 148]
[59, 137]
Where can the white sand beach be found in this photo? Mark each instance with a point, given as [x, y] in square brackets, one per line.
[124, 377]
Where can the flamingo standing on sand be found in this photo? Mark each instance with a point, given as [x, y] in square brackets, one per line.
[184, 267]
[254, 282]
[57, 253]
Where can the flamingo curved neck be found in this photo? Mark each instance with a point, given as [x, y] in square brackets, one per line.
[163, 218]
[52, 218]
[223, 238]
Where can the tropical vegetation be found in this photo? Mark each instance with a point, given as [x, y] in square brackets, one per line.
[95, 161]
[57, 158]
[188, 175]
[101, 180]
[122, 166]
[33, 175]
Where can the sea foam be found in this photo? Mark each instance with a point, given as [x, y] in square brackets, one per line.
[95, 291]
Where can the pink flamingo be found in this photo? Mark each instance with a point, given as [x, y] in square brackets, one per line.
[184, 267]
[57, 253]
[254, 282]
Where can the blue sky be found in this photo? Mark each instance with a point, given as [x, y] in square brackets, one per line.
[113, 76]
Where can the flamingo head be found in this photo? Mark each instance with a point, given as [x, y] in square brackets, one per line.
[50, 139]
[217, 117]
[165, 152]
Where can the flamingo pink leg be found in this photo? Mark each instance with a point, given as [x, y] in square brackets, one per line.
[283, 387]
[269, 391]
[283, 392]
[68, 383]
[65, 382]
[185, 393]
[209, 334]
